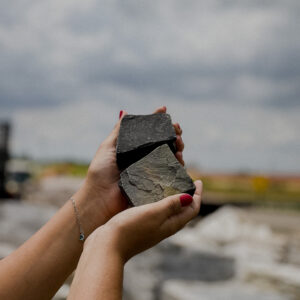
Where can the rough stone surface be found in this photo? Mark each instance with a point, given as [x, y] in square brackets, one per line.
[227, 255]
[231, 254]
[146, 273]
[195, 290]
[155, 177]
[140, 134]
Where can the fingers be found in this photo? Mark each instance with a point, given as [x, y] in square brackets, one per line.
[162, 109]
[169, 206]
[177, 128]
[179, 157]
[179, 143]
[176, 204]
[178, 216]
[197, 195]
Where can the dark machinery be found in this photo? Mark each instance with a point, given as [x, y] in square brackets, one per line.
[4, 156]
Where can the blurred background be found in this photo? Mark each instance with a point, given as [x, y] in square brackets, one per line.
[228, 72]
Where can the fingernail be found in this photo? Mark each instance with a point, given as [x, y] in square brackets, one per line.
[186, 199]
[120, 114]
[178, 126]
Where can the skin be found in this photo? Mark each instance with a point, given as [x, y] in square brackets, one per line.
[41, 265]
[99, 274]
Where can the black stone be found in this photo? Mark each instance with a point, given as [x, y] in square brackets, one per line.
[154, 177]
[140, 134]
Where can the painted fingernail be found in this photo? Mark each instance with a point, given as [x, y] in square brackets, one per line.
[186, 199]
[120, 114]
[178, 126]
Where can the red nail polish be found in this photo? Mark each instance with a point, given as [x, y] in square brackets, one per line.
[186, 199]
[178, 126]
[120, 114]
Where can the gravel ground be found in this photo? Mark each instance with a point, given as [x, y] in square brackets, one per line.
[232, 254]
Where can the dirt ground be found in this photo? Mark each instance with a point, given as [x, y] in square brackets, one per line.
[233, 253]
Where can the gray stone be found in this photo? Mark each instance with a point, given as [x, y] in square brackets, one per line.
[154, 177]
[140, 134]
[226, 290]
[146, 273]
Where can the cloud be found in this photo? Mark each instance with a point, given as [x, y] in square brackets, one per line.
[216, 136]
[229, 71]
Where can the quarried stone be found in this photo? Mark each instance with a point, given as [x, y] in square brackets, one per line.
[154, 177]
[140, 134]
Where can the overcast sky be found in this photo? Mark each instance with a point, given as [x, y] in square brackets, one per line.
[228, 71]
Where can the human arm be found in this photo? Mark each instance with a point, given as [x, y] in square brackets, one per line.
[99, 274]
[41, 265]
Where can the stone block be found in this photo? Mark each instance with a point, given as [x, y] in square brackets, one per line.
[141, 134]
[154, 177]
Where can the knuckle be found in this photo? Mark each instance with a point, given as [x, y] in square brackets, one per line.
[173, 206]
[198, 208]
[171, 229]
[195, 211]
[175, 226]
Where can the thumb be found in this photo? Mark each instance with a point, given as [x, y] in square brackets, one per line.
[173, 205]
[177, 210]
[113, 136]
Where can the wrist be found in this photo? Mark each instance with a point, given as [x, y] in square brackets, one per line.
[104, 242]
[90, 210]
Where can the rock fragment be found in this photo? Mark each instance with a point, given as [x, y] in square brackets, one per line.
[140, 134]
[155, 177]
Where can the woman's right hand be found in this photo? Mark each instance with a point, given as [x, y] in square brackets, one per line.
[99, 274]
[100, 198]
[139, 228]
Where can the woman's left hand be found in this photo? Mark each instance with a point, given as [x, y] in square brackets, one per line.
[100, 193]
[139, 228]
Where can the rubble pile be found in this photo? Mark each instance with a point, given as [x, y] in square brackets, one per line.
[231, 254]
[228, 255]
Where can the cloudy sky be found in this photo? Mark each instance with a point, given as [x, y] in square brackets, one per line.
[228, 71]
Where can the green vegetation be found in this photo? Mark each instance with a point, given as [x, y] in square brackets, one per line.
[222, 188]
[261, 190]
[64, 168]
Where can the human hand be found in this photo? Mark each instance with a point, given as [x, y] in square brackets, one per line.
[139, 228]
[100, 193]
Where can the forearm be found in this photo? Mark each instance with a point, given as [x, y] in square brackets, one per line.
[41, 265]
[99, 274]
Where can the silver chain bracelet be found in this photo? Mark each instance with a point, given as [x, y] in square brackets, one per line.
[81, 232]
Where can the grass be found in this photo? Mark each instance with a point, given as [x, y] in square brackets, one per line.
[251, 188]
[64, 168]
[222, 188]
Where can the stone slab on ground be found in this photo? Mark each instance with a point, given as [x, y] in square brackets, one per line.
[154, 177]
[140, 134]
[146, 273]
[230, 240]
[231, 231]
[231, 290]
[281, 277]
